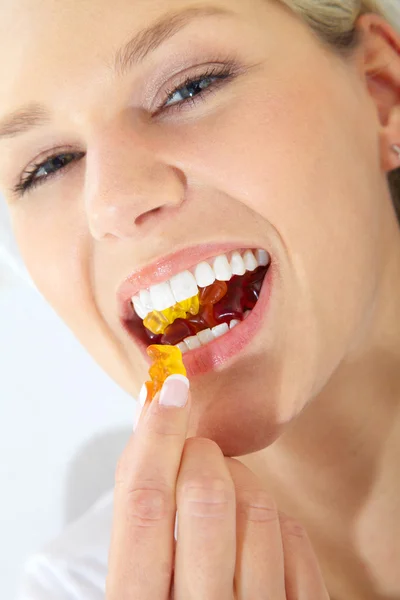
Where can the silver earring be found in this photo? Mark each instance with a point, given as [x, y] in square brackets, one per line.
[396, 149]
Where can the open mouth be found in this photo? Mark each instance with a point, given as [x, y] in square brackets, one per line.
[200, 305]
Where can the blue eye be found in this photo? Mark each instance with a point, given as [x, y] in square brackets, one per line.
[52, 166]
[190, 90]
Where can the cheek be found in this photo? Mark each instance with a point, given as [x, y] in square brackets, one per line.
[56, 248]
[293, 158]
[49, 242]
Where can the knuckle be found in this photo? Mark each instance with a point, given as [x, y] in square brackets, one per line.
[291, 527]
[206, 496]
[146, 505]
[257, 505]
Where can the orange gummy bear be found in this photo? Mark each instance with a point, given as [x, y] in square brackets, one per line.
[167, 360]
[213, 293]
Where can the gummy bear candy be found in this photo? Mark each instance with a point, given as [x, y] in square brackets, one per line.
[252, 286]
[191, 305]
[167, 361]
[213, 293]
[158, 320]
[178, 331]
[202, 318]
[230, 307]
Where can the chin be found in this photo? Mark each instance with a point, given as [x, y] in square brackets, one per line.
[232, 411]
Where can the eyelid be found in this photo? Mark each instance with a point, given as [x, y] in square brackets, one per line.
[46, 154]
[219, 76]
[171, 75]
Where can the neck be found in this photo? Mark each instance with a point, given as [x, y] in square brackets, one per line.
[336, 466]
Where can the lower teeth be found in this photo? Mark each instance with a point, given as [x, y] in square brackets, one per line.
[207, 335]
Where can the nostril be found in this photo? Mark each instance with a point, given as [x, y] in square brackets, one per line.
[148, 215]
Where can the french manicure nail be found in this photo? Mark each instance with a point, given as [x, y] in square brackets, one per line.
[176, 527]
[175, 391]
[142, 400]
[137, 416]
[143, 395]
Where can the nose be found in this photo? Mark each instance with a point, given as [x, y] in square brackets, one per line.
[127, 186]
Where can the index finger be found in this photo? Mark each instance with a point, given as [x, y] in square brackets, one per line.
[142, 542]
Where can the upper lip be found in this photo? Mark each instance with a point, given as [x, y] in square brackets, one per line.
[162, 269]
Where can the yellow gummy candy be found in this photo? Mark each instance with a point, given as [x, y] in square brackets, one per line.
[167, 361]
[158, 321]
[191, 305]
[175, 312]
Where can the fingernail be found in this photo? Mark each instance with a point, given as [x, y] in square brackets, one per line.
[142, 400]
[175, 391]
[176, 527]
[137, 416]
[143, 395]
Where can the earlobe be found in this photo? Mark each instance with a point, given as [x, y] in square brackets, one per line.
[396, 149]
[390, 141]
[381, 65]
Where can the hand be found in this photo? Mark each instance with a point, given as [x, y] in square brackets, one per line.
[233, 543]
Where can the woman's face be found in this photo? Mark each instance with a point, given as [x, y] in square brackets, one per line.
[281, 156]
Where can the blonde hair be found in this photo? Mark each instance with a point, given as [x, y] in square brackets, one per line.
[333, 21]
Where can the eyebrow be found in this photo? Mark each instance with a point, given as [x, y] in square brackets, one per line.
[135, 51]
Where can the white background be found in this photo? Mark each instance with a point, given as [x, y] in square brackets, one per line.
[63, 424]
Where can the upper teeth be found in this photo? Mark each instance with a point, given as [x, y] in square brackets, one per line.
[185, 285]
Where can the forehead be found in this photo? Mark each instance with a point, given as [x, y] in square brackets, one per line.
[51, 42]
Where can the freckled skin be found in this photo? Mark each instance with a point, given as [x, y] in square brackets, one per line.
[291, 155]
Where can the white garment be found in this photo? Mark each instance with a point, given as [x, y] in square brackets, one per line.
[74, 565]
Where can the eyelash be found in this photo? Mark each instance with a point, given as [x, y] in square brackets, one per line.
[222, 73]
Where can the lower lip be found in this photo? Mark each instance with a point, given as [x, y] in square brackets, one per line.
[214, 354]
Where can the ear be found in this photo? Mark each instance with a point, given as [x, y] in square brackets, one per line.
[380, 54]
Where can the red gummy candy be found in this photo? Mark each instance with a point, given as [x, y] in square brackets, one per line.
[207, 313]
[177, 332]
[198, 323]
[254, 279]
[153, 337]
[252, 287]
[230, 307]
[250, 298]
